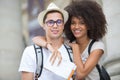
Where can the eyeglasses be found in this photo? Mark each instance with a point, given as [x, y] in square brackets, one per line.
[51, 23]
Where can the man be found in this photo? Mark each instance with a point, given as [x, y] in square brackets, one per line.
[52, 21]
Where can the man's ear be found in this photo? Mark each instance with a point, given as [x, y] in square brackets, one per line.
[43, 26]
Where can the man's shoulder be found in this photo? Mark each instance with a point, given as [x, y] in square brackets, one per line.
[32, 47]
[29, 47]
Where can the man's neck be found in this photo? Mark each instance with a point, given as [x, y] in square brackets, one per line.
[56, 43]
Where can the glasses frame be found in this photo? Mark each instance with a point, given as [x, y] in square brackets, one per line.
[51, 23]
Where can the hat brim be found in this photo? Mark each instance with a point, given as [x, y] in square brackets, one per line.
[43, 13]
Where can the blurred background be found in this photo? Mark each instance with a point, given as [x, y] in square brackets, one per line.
[18, 25]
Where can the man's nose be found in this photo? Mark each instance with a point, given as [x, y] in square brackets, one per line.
[55, 25]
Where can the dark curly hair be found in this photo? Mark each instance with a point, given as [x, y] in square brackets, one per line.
[93, 16]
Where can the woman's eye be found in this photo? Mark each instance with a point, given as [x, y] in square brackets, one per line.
[82, 23]
[72, 23]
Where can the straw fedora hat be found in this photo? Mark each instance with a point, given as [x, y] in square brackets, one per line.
[51, 7]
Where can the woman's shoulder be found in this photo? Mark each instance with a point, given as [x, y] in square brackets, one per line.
[98, 45]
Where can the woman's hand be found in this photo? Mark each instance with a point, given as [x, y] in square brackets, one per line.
[75, 47]
[40, 41]
[56, 55]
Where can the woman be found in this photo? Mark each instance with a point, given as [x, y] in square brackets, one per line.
[86, 23]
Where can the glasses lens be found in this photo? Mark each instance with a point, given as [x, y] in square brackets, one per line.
[59, 22]
[50, 23]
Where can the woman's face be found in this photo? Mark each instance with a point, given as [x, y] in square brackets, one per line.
[78, 27]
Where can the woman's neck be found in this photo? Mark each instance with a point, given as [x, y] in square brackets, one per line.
[83, 43]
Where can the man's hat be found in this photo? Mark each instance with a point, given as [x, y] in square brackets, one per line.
[51, 7]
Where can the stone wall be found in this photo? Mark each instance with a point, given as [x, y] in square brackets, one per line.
[11, 43]
[112, 61]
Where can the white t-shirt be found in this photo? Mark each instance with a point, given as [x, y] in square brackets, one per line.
[28, 62]
[93, 75]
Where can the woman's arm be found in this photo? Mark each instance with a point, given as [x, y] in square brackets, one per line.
[40, 41]
[83, 69]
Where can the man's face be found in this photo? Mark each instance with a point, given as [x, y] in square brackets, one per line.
[54, 25]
